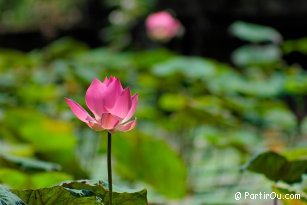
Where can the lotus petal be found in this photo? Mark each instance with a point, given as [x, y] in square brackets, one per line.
[127, 126]
[109, 121]
[122, 104]
[134, 103]
[111, 93]
[94, 98]
[78, 111]
[111, 105]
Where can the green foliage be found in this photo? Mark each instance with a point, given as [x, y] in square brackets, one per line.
[265, 55]
[80, 192]
[254, 33]
[277, 168]
[21, 179]
[61, 49]
[279, 117]
[149, 58]
[190, 109]
[191, 67]
[297, 45]
[296, 83]
[54, 139]
[34, 14]
[164, 169]
[167, 102]
[256, 55]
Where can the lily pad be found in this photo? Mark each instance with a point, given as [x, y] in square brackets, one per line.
[256, 55]
[80, 192]
[137, 151]
[255, 33]
[276, 167]
[192, 67]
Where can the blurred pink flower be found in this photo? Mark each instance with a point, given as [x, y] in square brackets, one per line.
[162, 26]
[111, 105]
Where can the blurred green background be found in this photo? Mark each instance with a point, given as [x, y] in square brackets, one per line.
[199, 119]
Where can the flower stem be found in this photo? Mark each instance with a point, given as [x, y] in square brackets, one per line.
[110, 167]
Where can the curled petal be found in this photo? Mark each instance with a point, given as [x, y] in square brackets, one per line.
[122, 104]
[109, 121]
[78, 111]
[95, 125]
[134, 103]
[127, 126]
[94, 98]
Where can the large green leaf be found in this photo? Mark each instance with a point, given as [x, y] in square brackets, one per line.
[8, 198]
[80, 192]
[276, 167]
[254, 33]
[192, 67]
[256, 55]
[142, 157]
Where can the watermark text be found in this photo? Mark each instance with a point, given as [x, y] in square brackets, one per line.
[264, 195]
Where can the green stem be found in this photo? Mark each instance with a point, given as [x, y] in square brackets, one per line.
[110, 167]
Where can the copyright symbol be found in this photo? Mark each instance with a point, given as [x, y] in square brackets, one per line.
[238, 196]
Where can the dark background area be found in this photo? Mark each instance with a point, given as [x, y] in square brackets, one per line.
[206, 26]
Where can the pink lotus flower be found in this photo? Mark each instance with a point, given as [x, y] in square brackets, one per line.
[162, 26]
[111, 105]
